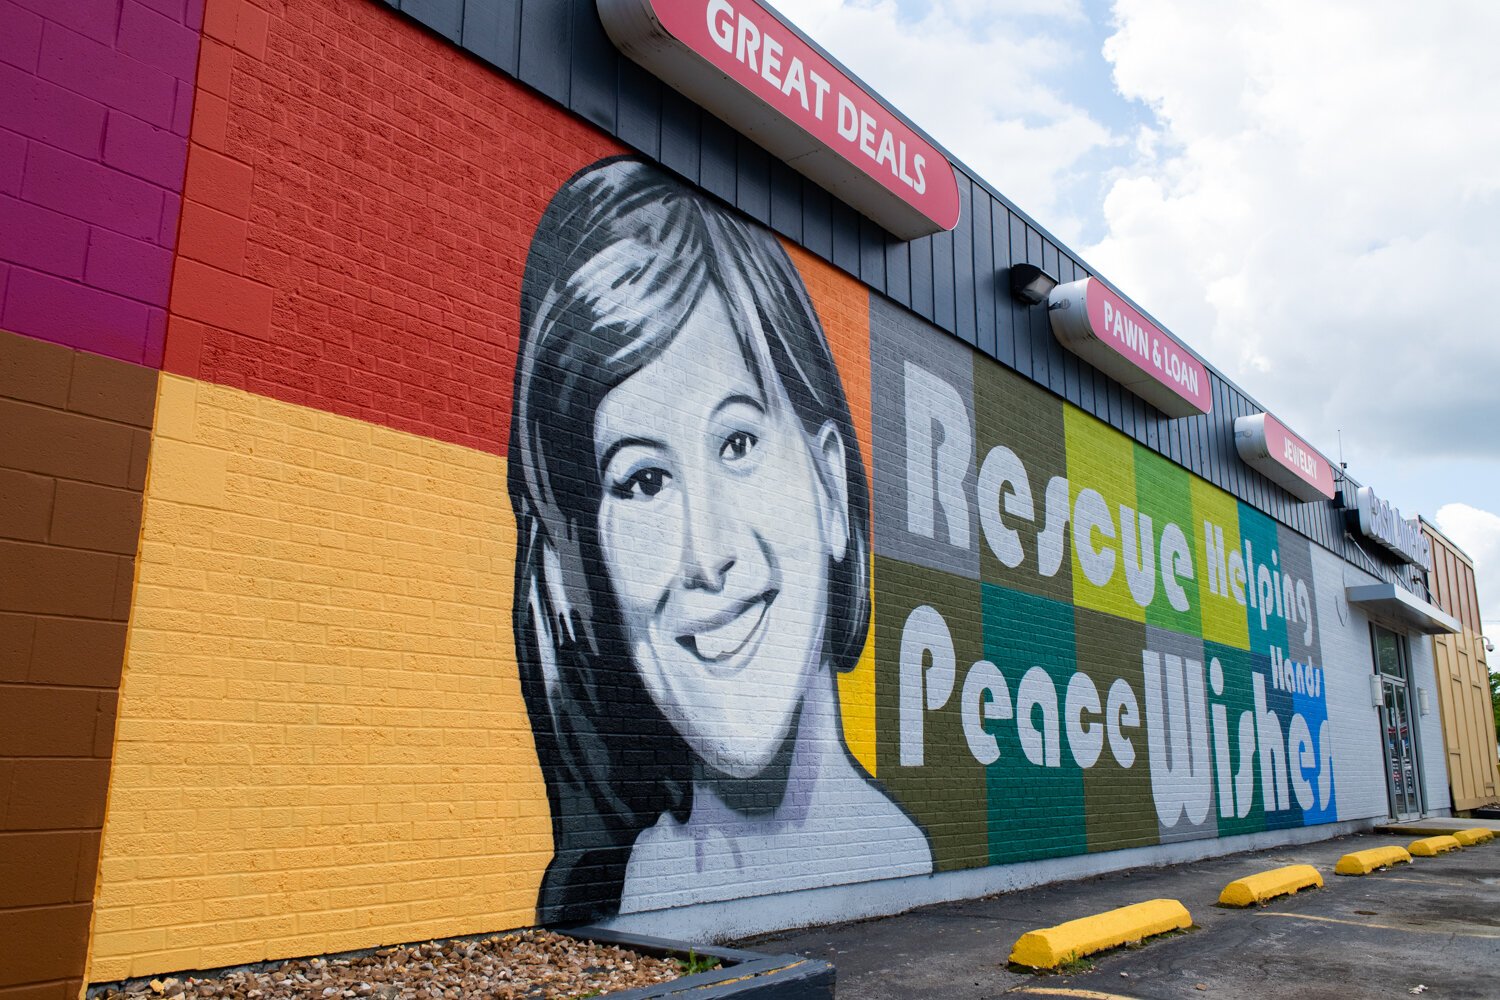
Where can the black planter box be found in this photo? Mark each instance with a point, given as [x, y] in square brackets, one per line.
[743, 974]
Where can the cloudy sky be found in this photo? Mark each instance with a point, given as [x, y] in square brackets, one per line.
[1305, 191]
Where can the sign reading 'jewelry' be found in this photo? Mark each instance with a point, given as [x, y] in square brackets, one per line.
[1282, 457]
[1090, 320]
[743, 63]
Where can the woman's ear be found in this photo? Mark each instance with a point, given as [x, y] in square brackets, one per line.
[833, 481]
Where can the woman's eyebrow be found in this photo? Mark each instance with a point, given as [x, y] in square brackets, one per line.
[626, 442]
[742, 399]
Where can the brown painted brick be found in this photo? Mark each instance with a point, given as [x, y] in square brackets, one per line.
[26, 501]
[87, 877]
[34, 370]
[47, 580]
[48, 721]
[114, 390]
[17, 635]
[40, 869]
[57, 795]
[69, 445]
[44, 943]
[140, 452]
[124, 587]
[87, 516]
[66, 989]
[74, 651]
[104, 724]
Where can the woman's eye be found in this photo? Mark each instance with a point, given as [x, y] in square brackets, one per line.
[642, 483]
[737, 445]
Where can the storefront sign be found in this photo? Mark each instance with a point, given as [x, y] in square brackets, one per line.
[743, 63]
[1282, 457]
[1106, 331]
[1383, 524]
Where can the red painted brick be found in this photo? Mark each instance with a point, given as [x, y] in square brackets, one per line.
[210, 121]
[219, 182]
[184, 346]
[227, 300]
[250, 37]
[215, 61]
[213, 238]
[221, 19]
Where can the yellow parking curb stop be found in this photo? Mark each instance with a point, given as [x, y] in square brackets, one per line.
[1364, 862]
[1478, 835]
[1431, 846]
[1049, 947]
[1267, 885]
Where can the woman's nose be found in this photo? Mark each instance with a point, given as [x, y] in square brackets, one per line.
[709, 551]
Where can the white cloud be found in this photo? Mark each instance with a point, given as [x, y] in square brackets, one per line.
[982, 78]
[1477, 532]
[1316, 209]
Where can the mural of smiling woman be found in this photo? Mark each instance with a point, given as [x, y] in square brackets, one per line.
[692, 568]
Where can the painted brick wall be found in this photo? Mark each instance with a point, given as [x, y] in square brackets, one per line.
[72, 465]
[93, 139]
[357, 204]
[322, 743]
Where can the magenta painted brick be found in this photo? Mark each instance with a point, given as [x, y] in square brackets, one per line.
[66, 312]
[63, 250]
[20, 36]
[137, 269]
[150, 153]
[98, 19]
[12, 161]
[92, 192]
[98, 71]
[44, 111]
[95, 107]
[164, 43]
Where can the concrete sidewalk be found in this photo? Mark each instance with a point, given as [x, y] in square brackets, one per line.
[1434, 923]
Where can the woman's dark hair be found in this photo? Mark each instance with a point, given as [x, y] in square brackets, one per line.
[621, 258]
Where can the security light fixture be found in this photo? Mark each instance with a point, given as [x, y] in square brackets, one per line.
[1030, 283]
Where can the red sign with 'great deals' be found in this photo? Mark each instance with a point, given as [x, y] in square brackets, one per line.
[743, 63]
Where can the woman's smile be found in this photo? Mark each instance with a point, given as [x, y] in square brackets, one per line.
[718, 642]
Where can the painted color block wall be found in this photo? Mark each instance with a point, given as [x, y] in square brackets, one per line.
[529, 537]
[72, 465]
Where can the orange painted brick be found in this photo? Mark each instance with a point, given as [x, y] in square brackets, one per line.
[210, 120]
[250, 36]
[226, 300]
[212, 237]
[218, 181]
[215, 61]
[221, 19]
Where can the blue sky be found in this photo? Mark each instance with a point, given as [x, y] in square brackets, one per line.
[1306, 193]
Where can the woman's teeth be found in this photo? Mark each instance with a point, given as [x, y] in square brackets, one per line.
[720, 643]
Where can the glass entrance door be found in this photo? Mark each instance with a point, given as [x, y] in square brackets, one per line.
[1400, 754]
[1403, 782]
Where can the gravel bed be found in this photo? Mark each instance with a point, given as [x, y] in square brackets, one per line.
[531, 964]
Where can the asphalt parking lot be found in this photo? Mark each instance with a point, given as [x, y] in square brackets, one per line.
[1428, 929]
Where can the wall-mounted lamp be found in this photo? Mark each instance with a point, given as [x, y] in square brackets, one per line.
[1377, 691]
[1030, 283]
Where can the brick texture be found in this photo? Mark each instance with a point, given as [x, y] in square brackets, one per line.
[93, 142]
[73, 423]
[356, 216]
[322, 742]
